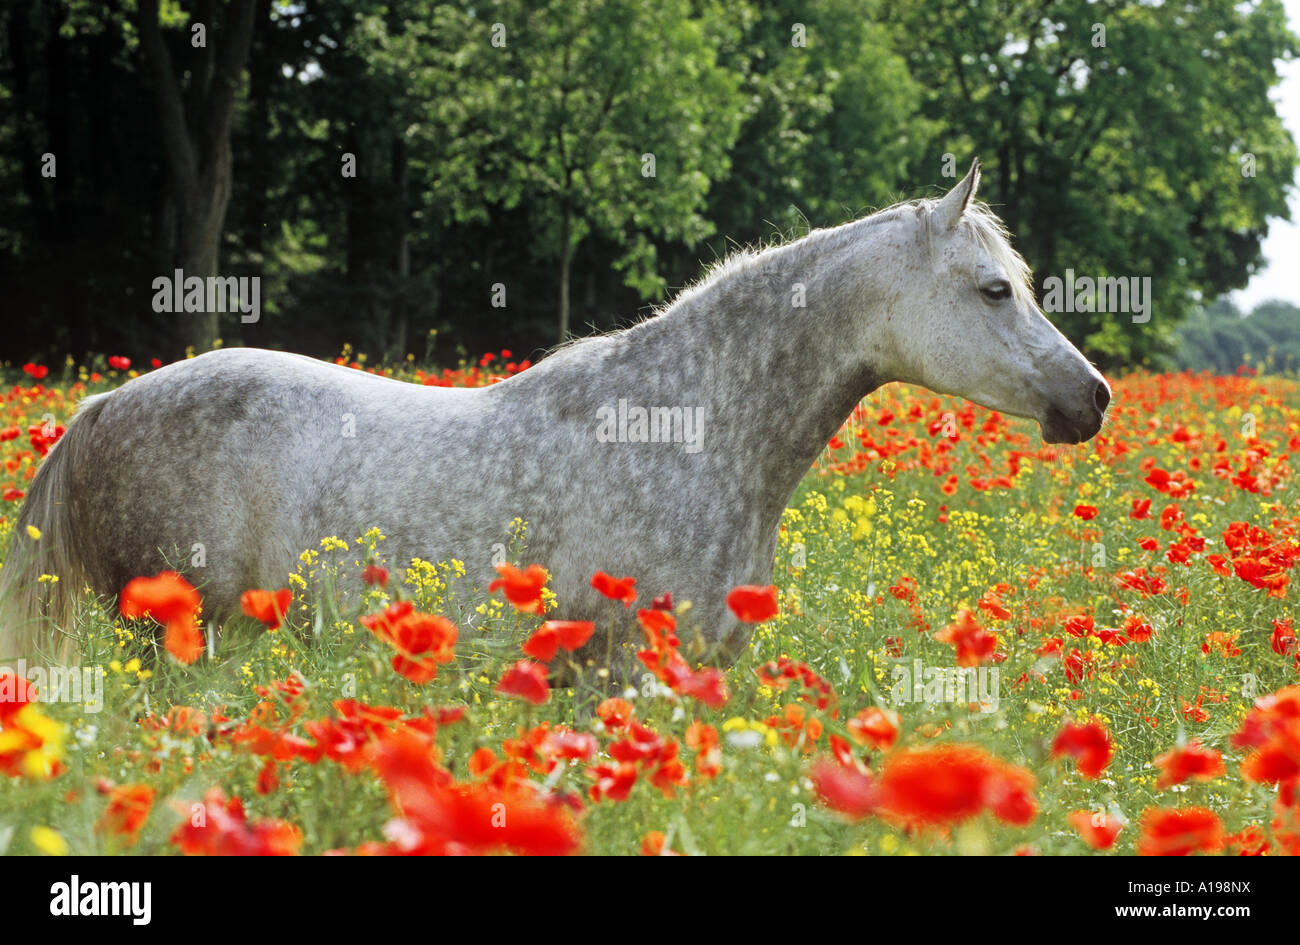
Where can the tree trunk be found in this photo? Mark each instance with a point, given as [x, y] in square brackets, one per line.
[566, 227]
[196, 139]
[261, 79]
[202, 219]
[402, 263]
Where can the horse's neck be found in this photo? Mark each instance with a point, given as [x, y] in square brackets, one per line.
[767, 351]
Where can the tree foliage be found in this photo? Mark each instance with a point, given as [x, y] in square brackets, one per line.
[589, 156]
[1120, 138]
[1221, 338]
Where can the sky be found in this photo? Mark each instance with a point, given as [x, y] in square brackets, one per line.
[1279, 280]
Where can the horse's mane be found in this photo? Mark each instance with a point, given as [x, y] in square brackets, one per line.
[979, 219]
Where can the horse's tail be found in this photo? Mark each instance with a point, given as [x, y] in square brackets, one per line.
[36, 614]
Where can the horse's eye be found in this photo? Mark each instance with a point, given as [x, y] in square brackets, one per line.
[998, 291]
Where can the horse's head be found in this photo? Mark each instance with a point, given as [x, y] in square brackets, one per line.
[968, 325]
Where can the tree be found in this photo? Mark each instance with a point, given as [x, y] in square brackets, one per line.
[830, 119]
[1220, 338]
[194, 116]
[613, 117]
[1119, 139]
[590, 154]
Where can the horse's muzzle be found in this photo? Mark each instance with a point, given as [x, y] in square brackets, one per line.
[1080, 422]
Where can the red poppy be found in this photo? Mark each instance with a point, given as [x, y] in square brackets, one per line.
[439, 816]
[347, 737]
[15, 692]
[1189, 761]
[1222, 642]
[1167, 832]
[1085, 512]
[268, 779]
[991, 604]
[1272, 729]
[612, 781]
[619, 589]
[224, 830]
[1078, 625]
[481, 762]
[972, 642]
[1250, 841]
[172, 601]
[267, 606]
[1078, 666]
[708, 685]
[128, 808]
[554, 634]
[166, 597]
[662, 658]
[1194, 711]
[1089, 744]
[753, 604]
[797, 727]
[1220, 563]
[951, 783]
[1137, 629]
[875, 727]
[615, 713]
[567, 745]
[842, 751]
[1098, 829]
[42, 439]
[653, 844]
[1283, 640]
[522, 588]
[707, 744]
[781, 672]
[850, 791]
[527, 680]
[422, 640]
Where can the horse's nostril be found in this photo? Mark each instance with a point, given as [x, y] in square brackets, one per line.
[1102, 396]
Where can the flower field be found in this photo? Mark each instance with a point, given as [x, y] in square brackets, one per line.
[975, 644]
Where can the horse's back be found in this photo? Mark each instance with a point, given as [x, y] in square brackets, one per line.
[232, 462]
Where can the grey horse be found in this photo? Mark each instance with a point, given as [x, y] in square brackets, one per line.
[666, 451]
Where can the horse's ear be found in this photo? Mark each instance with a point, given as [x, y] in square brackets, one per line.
[947, 213]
